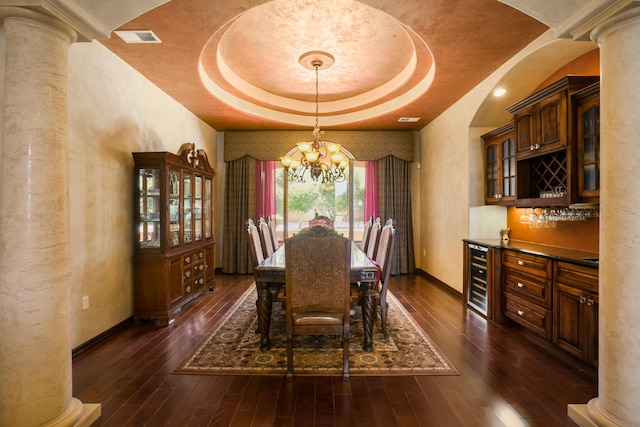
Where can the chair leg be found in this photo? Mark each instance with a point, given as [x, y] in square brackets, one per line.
[383, 319]
[258, 328]
[345, 356]
[289, 356]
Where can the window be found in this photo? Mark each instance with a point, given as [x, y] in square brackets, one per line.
[303, 200]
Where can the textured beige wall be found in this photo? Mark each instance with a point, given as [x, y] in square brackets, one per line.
[113, 111]
[444, 189]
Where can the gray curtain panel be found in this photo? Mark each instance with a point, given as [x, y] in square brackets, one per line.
[394, 201]
[239, 206]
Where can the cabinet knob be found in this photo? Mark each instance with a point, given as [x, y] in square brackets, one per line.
[520, 313]
[520, 285]
[582, 300]
[520, 262]
[590, 302]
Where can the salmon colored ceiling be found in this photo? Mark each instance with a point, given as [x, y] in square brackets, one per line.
[235, 63]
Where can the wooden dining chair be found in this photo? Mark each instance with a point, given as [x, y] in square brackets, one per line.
[365, 234]
[274, 235]
[265, 238]
[318, 294]
[321, 220]
[257, 256]
[383, 258]
[372, 244]
[255, 245]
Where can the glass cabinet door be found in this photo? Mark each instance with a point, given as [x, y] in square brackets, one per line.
[174, 207]
[186, 209]
[197, 208]
[491, 177]
[149, 200]
[508, 168]
[207, 208]
[589, 151]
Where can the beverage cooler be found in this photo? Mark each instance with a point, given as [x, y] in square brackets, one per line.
[480, 276]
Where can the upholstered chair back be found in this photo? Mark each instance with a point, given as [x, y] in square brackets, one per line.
[255, 246]
[274, 235]
[265, 238]
[318, 269]
[365, 234]
[372, 244]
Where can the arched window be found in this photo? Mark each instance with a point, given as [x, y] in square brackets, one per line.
[298, 202]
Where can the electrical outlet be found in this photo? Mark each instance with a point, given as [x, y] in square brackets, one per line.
[85, 302]
[424, 252]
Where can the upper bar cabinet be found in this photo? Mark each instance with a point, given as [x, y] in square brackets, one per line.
[545, 141]
[500, 162]
[173, 258]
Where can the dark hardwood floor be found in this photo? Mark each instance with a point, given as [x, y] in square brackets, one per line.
[507, 376]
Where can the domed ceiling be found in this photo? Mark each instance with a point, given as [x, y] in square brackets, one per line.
[237, 64]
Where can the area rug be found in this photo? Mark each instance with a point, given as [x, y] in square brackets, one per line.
[234, 347]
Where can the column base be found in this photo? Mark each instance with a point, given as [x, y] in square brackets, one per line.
[77, 415]
[591, 415]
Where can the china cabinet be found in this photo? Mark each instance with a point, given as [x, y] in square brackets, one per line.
[173, 237]
[500, 165]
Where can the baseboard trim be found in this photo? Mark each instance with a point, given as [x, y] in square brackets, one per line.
[98, 339]
[439, 283]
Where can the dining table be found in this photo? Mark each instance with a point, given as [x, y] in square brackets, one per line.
[271, 271]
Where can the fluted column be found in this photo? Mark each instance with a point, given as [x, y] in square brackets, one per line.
[618, 401]
[35, 330]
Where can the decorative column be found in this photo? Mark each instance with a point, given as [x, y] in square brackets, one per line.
[35, 330]
[618, 401]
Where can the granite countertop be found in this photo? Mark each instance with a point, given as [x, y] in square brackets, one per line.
[589, 259]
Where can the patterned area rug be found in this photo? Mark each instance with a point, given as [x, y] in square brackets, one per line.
[234, 347]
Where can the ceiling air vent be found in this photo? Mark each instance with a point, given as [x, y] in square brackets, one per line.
[138, 36]
[408, 119]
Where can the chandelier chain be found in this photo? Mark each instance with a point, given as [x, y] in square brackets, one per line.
[322, 159]
[317, 92]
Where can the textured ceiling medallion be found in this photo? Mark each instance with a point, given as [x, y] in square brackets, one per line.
[322, 60]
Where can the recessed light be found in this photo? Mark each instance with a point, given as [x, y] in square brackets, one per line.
[499, 92]
[408, 119]
[138, 36]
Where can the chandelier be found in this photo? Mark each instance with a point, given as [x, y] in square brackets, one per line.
[322, 159]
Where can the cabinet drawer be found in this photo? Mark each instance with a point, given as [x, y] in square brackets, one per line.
[527, 314]
[193, 258]
[531, 264]
[585, 278]
[531, 288]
